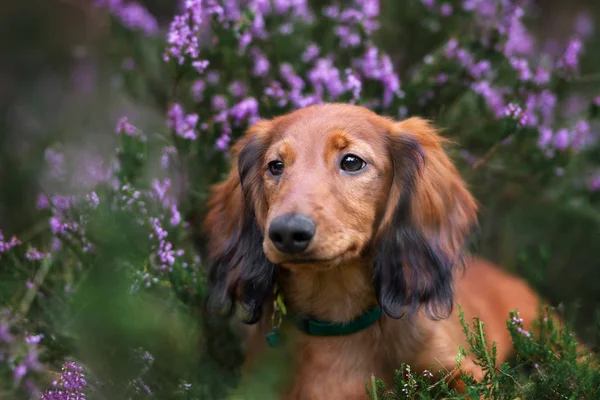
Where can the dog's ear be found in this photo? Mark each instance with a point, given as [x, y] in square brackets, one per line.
[239, 269]
[429, 215]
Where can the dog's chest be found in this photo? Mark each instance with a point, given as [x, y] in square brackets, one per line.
[336, 368]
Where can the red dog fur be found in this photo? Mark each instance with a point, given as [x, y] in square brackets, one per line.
[391, 234]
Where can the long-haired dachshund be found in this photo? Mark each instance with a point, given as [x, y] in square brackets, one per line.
[359, 222]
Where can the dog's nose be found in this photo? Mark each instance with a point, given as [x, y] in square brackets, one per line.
[291, 233]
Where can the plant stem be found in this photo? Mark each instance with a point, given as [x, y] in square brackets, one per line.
[33, 290]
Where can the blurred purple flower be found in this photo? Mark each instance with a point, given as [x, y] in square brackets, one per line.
[428, 3]
[515, 112]
[7, 245]
[246, 109]
[311, 52]
[446, 9]
[492, 97]
[545, 137]
[34, 254]
[276, 92]
[353, 84]
[570, 58]
[219, 103]
[542, 75]
[56, 162]
[43, 202]
[581, 135]
[521, 65]
[561, 139]
[584, 24]
[326, 76]
[132, 15]
[123, 126]
[237, 89]
[198, 88]
[164, 158]
[183, 125]
[200, 66]
[594, 184]
[261, 63]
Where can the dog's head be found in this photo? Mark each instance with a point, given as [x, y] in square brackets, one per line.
[333, 183]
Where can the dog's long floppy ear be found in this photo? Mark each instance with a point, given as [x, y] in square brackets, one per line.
[429, 215]
[239, 269]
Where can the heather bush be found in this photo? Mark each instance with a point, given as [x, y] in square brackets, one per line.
[102, 297]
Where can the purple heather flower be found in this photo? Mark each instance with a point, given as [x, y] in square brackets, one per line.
[519, 41]
[200, 66]
[222, 142]
[7, 245]
[570, 59]
[347, 36]
[542, 75]
[584, 24]
[441, 78]
[561, 139]
[446, 10]
[491, 95]
[546, 103]
[326, 75]
[43, 202]
[581, 135]
[213, 77]
[286, 29]
[480, 69]
[245, 40]
[123, 126]
[515, 112]
[354, 84]
[522, 67]
[275, 91]
[93, 199]
[311, 52]
[56, 162]
[261, 63]
[182, 38]
[175, 216]
[428, 3]
[34, 254]
[161, 191]
[238, 89]
[132, 15]
[183, 125]
[164, 158]
[597, 100]
[71, 386]
[594, 184]
[219, 103]
[451, 47]
[198, 88]
[545, 138]
[246, 109]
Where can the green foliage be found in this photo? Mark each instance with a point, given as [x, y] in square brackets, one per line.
[549, 364]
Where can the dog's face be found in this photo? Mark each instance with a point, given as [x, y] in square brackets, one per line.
[327, 184]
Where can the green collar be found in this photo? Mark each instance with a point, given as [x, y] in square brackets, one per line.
[320, 328]
[313, 327]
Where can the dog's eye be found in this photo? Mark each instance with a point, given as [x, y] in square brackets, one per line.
[276, 167]
[352, 163]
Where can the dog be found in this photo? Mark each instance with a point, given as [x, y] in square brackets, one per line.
[344, 231]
